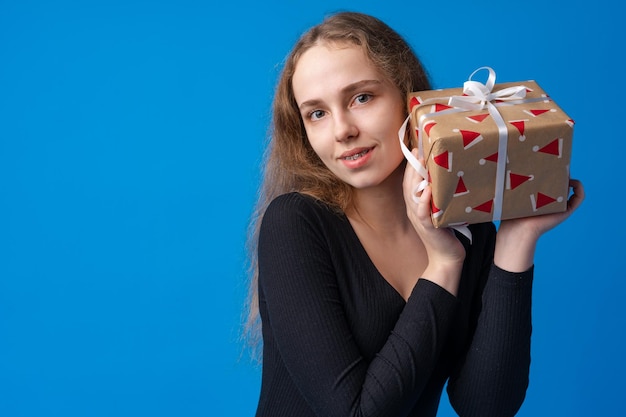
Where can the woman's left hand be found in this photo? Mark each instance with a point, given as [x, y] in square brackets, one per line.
[517, 238]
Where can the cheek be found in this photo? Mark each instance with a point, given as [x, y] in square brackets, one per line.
[319, 145]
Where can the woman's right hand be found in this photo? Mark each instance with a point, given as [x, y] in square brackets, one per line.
[445, 252]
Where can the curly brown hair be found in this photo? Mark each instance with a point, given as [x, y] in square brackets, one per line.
[291, 164]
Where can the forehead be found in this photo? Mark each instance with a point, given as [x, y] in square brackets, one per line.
[326, 68]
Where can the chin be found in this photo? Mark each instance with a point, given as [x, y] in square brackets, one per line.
[367, 183]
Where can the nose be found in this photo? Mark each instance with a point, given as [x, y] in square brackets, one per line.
[345, 127]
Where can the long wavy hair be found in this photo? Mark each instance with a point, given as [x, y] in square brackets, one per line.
[291, 164]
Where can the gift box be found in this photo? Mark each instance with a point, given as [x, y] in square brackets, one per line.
[492, 151]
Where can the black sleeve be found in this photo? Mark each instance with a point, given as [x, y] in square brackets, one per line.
[304, 310]
[493, 378]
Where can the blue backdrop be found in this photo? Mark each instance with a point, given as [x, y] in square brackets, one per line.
[131, 135]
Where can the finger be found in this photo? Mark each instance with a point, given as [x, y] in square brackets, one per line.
[409, 171]
[421, 161]
[423, 207]
[413, 182]
[416, 194]
[578, 195]
[407, 181]
[577, 187]
[417, 190]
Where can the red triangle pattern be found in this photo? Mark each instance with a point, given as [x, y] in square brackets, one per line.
[544, 200]
[428, 127]
[492, 158]
[478, 118]
[551, 148]
[516, 180]
[414, 102]
[469, 137]
[519, 125]
[460, 187]
[441, 107]
[485, 207]
[436, 210]
[443, 160]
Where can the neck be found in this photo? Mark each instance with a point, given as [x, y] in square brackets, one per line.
[382, 208]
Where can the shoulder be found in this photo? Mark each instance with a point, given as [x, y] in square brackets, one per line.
[293, 206]
[290, 201]
[296, 227]
[296, 213]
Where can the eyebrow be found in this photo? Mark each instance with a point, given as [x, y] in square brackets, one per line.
[349, 89]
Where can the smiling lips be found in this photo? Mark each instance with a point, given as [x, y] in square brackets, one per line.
[356, 158]
[354, 154]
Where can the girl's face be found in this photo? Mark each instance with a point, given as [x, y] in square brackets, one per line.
[351, 113]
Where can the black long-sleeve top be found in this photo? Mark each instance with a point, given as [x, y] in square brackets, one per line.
[339, 340]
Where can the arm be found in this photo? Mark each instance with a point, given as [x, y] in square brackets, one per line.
[312, 334]
[445, 252]
[494, 376]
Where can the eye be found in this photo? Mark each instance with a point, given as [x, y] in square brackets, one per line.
[316, 114]
[362, 98]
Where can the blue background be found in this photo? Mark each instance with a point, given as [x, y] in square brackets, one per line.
[131, 135]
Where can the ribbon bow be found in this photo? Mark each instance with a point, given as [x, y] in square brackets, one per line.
[477, 95]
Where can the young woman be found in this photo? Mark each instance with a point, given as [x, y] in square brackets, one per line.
[365, 308]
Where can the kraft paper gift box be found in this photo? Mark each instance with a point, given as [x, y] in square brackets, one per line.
[506, 158]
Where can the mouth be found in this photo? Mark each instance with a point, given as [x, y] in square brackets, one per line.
[355, 154]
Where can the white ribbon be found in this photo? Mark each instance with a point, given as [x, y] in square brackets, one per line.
[415, 163]
[477, 96]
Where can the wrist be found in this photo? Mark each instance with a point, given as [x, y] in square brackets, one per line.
[515, 248]
[446, 275]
